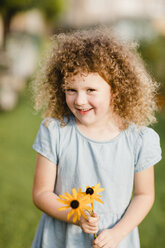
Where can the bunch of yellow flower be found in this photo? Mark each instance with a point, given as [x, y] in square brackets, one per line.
[78, 202]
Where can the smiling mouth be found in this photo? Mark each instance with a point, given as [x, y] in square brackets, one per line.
[84, 111]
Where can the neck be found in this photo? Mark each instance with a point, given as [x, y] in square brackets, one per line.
[101, 131]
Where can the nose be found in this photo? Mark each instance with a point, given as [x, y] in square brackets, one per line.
[80, 98]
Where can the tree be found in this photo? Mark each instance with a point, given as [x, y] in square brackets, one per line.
[8, 8]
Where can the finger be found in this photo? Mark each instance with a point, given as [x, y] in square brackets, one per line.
[109, 246]
[95, 226]
[95, 214]
[95, 246]
[93, 219]
[87, 213]
[102, 243]
[98, 240]
[86, 220]
[92, 225]
[91, 214]
[89, 230]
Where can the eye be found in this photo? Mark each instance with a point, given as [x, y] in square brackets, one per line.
[91, 90]
[70, 91]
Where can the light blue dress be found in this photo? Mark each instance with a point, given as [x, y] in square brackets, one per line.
[85, 162]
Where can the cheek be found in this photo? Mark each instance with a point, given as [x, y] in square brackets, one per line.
[69, 100]
[103, 100]
[107, 98]
[103, 103]
[94, 101]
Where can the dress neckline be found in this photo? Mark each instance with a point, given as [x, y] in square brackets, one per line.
[116, 138]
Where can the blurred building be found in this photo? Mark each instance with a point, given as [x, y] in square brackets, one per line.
[88, 12]
[19, 58]
[31, 21]
[132, 18]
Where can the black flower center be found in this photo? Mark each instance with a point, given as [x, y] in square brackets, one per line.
[89, 191]
[74, 204]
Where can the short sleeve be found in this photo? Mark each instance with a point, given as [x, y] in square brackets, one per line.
[147, 149]
[47, 140]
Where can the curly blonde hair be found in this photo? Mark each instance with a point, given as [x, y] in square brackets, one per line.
[116, 61]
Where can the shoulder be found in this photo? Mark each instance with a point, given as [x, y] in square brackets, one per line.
[148, 141]
[142, 134]
[147, 150]
[47, 139]
[143, 140]
[147, 136]
[54, 129]
[52, 123]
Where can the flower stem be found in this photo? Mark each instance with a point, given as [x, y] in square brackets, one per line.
[95, 235]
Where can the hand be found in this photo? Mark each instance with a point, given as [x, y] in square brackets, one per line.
[89, 225]
[106, 239]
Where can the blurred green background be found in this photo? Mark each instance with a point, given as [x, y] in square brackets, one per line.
[19, 123]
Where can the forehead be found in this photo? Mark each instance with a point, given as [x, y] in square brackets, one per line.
[92, 79]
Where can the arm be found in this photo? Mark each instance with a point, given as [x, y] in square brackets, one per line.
[139, 207]
[44, 181]
[45, 198]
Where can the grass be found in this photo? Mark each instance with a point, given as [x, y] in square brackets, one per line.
[18, 216]
[152, 228]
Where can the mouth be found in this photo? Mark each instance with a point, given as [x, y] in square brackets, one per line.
[84, 111]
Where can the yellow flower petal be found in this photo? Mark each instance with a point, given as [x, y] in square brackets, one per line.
[63, 208]
[100, 190]
[63, 197]
[63, 201]
[92, 200]
[79, 214]
[68, 196]
[70, 214]
[74, 192]
[83, 214]
[85, 200]
[87, 208]
[75, 216]
[98, 199]
[97, 186]
[96, 195]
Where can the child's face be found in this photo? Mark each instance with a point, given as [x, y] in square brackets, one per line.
[89, 97]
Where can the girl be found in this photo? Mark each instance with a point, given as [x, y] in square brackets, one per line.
[97, 100]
